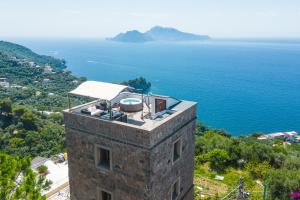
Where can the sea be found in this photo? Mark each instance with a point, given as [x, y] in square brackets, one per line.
[241, 85]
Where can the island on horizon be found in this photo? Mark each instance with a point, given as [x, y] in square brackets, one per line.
[157, 33]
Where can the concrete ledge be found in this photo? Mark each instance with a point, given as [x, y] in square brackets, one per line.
[54, 191]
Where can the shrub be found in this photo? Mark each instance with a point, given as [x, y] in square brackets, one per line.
[42, 169]
[282, 182]
[258, 170]
[218, 159]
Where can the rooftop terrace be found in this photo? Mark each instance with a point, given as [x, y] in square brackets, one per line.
[115, 103]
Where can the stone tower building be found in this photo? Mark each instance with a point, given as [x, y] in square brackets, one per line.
[127, 146]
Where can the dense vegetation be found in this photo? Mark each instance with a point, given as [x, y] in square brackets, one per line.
[271, 162]
[21, 53]
[140, 85]
[25, 132]
[37, 85]
[18, 181]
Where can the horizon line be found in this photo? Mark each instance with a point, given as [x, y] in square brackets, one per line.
[3, 38]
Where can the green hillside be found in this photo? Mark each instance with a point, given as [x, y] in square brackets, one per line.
[22, 53]
[39, 81]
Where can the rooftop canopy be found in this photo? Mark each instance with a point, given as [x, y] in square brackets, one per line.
[99, 90]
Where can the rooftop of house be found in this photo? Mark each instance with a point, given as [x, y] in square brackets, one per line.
[3, 79]
[117, 104]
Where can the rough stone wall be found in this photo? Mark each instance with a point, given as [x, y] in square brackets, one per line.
[173, 124]
[113, 130]
[129, 175]
[141, 161]
[189, 195]
[164, 172]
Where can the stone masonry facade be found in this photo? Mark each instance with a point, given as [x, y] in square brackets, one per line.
[142, 166]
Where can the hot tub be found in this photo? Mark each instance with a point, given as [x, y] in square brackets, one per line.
[131, 105]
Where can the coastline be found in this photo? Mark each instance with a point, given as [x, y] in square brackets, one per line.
[230, 80]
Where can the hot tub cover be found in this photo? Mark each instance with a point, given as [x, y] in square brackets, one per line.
[99, 90]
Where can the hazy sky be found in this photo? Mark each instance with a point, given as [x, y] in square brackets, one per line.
[100, 18]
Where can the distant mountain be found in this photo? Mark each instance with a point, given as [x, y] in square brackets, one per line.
[172, 34]
[131, 36]
[158, 33]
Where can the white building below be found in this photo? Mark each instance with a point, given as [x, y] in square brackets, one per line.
[58, 174]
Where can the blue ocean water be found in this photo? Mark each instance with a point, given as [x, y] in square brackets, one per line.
[243, 86]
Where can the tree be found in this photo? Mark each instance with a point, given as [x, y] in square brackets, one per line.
[19, 110]
[256, 152]
[212, 140]
[218, 159]
[18, 181]
[48, 141]
[57, 117]
[5, 106]
[29, 120]
[140, 84]
[292, 163]
[258, 170]
[200, 128]
[5, 112]
[282, 182]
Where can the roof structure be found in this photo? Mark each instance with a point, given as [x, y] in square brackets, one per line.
[38, 161]
[277, 134]
[99, 90]
[291, 133]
